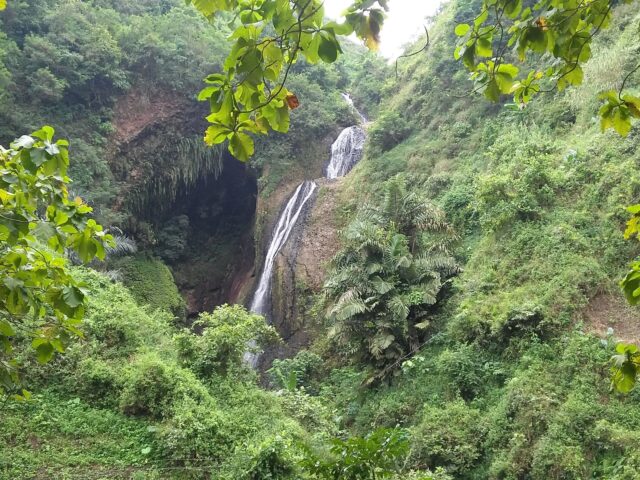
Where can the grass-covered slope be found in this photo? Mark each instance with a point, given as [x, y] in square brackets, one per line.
[513, 382]
[139, 398]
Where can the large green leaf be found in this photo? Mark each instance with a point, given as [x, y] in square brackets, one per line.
[241, 146]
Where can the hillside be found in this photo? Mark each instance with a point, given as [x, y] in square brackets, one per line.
[449, 308]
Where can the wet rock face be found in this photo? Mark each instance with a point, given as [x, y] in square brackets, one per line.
[300, 273]
[290, 221]
[298, 270]
[193, 210]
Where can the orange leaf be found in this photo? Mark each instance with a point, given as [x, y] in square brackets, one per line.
[542, 24]
[292, 101]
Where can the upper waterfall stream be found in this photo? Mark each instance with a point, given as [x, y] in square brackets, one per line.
[346, 151]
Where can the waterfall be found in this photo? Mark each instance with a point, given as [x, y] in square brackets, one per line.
[346, 151]
[349, 100]
[286, 222]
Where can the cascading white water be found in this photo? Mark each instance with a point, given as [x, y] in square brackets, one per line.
[346, 151]
[349, 100]
[286, 223]
[281, 233]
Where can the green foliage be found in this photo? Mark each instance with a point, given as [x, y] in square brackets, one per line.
[311, 411]
[538, 197]
[42, 437]
[250, 96]
[449, 437]
[128, 369]
[563, 31]
[631, 282]
[466, 370]
[625, 367]
[541, 223]
[196, 435]
[388, 131]
[387, 277]
[39, 297]
[303, 369]
[271, 460]
[67, 64]
[518, 190]
[225, 338]
[377, 455]
[151, 387]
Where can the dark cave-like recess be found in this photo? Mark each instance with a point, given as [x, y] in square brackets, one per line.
[205, 236]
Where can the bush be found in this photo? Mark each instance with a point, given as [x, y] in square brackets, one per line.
[305, 366]
[516, 191]
[98, 382]
[464, 369]
[554, 460]
[226, 336]
[272, 460]
[449, 437]
[311, 412]
[388, 131]
[151, 283]
[197, 432]
[115, 325]
[151, 387]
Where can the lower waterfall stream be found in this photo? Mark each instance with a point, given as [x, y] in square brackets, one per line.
[281, 233]
[346, 151]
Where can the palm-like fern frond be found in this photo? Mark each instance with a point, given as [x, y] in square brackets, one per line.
[348, 305]
[399, 307]
[437, 262]
[122, 246]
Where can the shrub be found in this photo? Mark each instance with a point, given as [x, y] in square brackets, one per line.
[516, 191]
[226, 336]
[151, 386]
[311, 412]
[305, 366]
[379, 454]
[198, 432]
[388, 131]
[98, 382]
[464, 369]
[151, 283]
[272, 460]
[449, 437]
[115, 325]
[554, 460]
[385, 282]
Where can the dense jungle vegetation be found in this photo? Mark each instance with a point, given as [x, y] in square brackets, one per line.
[464, 328]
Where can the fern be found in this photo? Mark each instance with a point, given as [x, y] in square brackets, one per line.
[389, 273]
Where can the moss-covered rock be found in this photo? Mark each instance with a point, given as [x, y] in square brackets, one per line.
[151, 283]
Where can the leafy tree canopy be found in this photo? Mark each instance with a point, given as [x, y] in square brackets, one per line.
[557, 35]
[39, 298]
[250, 96]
